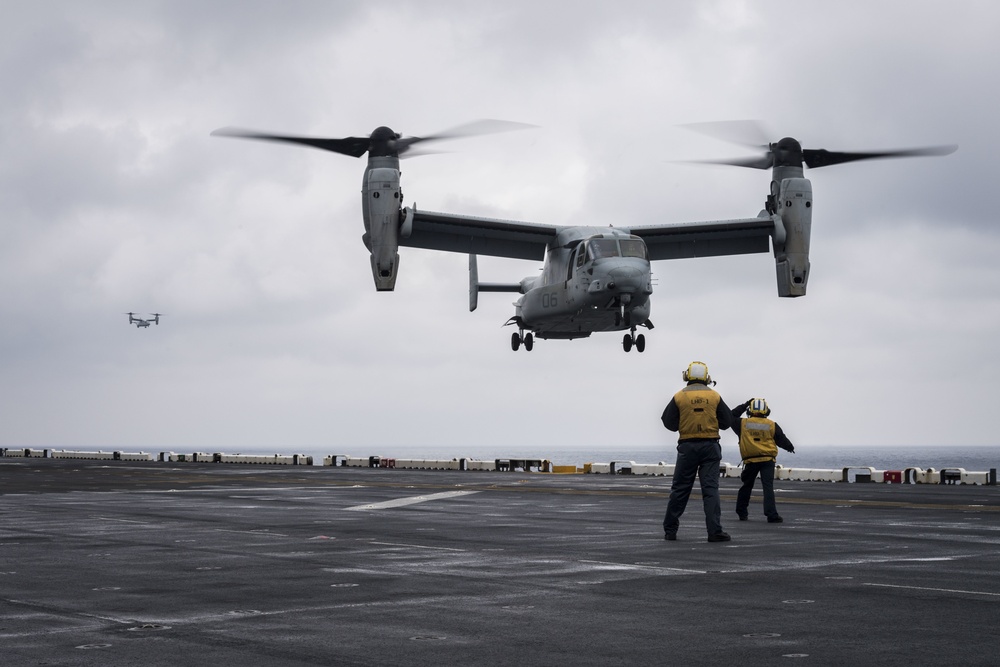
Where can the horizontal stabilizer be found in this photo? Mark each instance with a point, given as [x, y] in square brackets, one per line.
[475, 287]
[499, 287]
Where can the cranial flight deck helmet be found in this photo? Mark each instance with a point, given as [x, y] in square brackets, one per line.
[697, 371]
[758, 408]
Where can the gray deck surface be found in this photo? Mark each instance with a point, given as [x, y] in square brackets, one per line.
[119, 563]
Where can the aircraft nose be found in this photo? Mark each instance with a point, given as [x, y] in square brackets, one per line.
[626, 279]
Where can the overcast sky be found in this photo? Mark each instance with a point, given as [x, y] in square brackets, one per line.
[114, 198]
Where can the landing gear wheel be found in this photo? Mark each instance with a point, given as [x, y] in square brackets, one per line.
[627, 342]
[640, 343]
[529, 342]
[515, 341]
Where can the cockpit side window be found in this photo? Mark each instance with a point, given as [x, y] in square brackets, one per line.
[634, 248]
[581, 255]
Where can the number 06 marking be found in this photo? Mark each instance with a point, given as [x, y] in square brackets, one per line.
[550, 300]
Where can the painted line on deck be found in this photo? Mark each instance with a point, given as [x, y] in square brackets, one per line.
[632, 566]
[412, 500]
[520, 486]
[416, 546]
[938, 590]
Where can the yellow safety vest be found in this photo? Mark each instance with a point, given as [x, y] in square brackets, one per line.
[698, 406]
[757, 440]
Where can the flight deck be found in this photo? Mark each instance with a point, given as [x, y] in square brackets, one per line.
[159, 563]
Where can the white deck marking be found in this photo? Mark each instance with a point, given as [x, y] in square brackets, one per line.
[412, 500]
[630, 566]
[940, 590]
[416, 546]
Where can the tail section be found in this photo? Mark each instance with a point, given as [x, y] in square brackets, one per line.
[475, 286]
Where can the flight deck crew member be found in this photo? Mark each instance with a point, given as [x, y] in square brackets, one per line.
[697, 413]
[759, 441]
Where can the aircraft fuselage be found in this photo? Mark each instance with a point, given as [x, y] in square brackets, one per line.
[594, 279]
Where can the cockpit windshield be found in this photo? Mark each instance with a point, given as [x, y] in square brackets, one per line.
[630, 247]
[600, 248]
[633, 248]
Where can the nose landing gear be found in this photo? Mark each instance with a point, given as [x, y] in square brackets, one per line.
[624, 313]
[516, 339]
[631, 339]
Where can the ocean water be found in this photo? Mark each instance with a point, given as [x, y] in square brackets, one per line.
[825, 457]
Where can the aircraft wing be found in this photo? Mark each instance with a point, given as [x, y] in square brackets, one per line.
[706, 239]
[475, 236]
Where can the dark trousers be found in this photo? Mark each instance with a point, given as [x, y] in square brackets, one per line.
[701, 458]
[750, 471]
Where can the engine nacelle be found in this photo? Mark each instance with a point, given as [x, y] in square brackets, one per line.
[381, 202]
[791, 254]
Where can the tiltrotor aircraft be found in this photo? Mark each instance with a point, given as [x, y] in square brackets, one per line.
[594, 278]
[144, 324]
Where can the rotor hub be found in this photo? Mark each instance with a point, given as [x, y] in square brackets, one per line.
[787, 153]
[383, 143]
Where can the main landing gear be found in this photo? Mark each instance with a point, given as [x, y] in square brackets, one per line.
[520, 337]
[631, 339]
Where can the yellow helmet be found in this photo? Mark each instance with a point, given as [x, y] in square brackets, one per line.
[697, 371]
[758, 408]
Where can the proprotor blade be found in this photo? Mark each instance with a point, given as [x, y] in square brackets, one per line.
[383, 142]
[788, 152]
[475, 128]
[747, 132]
[353, 146]
[765, 161]
[816, 158]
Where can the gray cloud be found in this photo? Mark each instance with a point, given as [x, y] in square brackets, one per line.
[114, 197]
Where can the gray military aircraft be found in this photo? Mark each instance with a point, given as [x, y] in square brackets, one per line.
[593, 279]
[144, 324]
